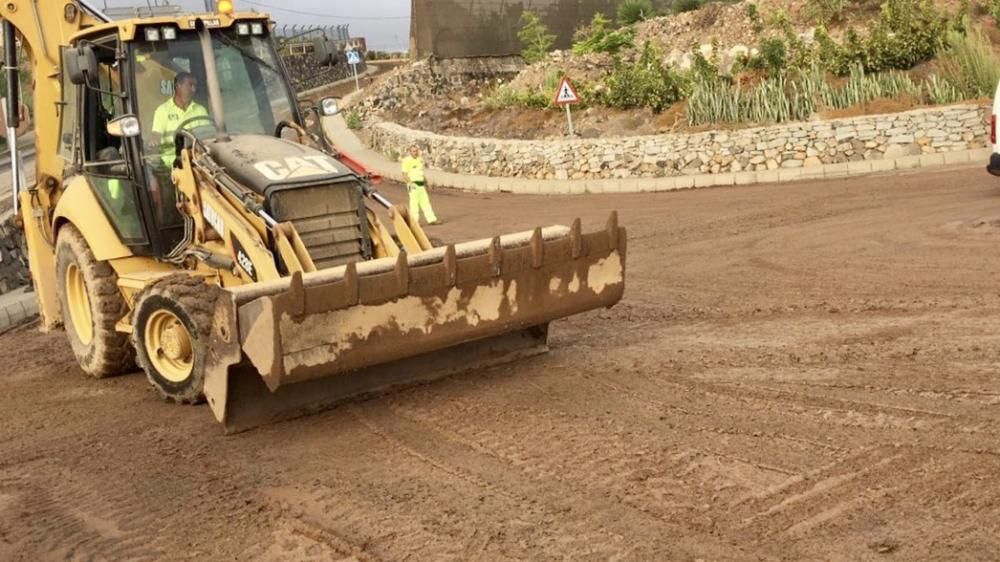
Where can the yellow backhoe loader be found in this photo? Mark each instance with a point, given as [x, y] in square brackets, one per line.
[190, 216]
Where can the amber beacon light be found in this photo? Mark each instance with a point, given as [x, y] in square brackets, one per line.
[224, 7]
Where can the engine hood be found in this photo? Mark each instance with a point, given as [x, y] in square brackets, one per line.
[265, 163]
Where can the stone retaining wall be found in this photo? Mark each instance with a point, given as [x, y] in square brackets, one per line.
[13, 263]
[432, 77]
[799, 145]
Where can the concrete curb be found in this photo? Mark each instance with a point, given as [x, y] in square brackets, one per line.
[16, 308]
[346, 140]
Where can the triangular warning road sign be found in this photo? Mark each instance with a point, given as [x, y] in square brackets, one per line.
[566, 93]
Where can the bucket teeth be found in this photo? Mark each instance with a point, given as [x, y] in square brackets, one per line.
[402, 272]
[576, 239]
[352, 287]
[613, 231]
[297, 295]
[496, 257]
[450, 265]
[537, 248]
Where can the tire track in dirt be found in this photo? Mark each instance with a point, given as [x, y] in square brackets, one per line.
[77, 515]
[946, 484]
[407, 460]
[645, 475]
[558, 517]
[797, 523]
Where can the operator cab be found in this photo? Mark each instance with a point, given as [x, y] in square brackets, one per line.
[114, 71]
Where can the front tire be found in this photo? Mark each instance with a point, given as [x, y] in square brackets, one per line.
[91, 307]
[171, 325]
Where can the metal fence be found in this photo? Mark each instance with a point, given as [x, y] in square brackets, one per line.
[305, 31]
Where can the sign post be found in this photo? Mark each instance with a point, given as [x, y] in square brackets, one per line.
[354, 59]
[566, 96]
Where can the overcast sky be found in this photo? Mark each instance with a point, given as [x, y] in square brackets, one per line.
[368, 18]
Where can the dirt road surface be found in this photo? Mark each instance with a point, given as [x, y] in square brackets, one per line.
[797, 372]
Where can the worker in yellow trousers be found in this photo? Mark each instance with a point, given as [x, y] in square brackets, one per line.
[416, 185]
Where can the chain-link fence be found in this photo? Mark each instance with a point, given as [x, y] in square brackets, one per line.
[285, 33]
[314, 55]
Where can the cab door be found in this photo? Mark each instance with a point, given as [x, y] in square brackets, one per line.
[102, 158]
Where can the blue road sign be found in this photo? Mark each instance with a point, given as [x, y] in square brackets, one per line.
[353, 57]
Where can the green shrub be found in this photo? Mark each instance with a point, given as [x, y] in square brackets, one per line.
[994, 9]
[598, 37]
[632, 11]
[906, 33]
[770, 101]
[645, 83]
[506, 97]
[703, 67]
[940, 91]
[680, 6]
[536, 41]
[827, 11]
[798, 95]
[773, 56]
[537, 98]
[753, 13]
[352, 119]
[970, 64]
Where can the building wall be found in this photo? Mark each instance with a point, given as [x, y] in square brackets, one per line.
[488, 28]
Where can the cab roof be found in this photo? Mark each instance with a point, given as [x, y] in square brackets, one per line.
[129, 28]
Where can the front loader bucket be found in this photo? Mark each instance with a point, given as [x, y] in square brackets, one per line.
[303, 343]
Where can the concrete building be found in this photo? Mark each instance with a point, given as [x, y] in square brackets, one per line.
[488, 28]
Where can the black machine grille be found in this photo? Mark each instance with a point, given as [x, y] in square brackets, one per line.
[328, 218]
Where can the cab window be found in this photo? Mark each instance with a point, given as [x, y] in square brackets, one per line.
[104, 160]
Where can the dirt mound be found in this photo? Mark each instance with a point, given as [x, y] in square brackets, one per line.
[729, 24]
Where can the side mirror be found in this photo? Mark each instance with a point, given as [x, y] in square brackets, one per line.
[124, 126]
[79, 63]
[329, 107]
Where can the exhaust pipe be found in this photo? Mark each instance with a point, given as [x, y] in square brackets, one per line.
[12, 107]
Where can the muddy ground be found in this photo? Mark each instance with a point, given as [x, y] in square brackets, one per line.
[797, 372]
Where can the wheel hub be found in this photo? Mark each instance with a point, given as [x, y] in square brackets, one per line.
[78, 302]
[176, 344]
[168, 345]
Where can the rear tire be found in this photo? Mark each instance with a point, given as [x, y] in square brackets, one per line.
[91, 306]
[171, 325]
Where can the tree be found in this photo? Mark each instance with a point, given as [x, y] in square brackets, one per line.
[536, 41]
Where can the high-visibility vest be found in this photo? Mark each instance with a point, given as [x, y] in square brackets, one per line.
[413, 168]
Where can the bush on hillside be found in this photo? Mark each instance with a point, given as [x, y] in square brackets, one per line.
[644, 83]
[536, 41]
[681, 6]
[906, 33]
[352, 119]
[634, 11]
[970, 64]
[598, 37]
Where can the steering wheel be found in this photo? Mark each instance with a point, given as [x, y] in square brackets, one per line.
[295, 127]
[179, 131]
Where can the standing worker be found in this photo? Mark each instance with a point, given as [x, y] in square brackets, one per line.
[413, 168]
